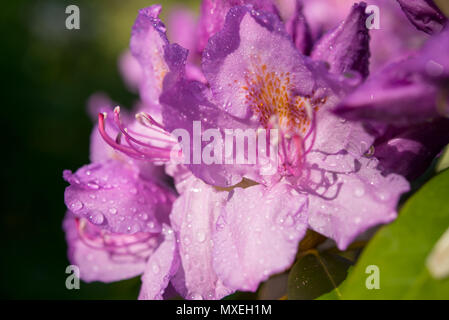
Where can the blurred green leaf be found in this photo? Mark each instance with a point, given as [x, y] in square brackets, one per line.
[315, 274]
[400, 250]
[274, 288]
[240, 295]
[443, 162]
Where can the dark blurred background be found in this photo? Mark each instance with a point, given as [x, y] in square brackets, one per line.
[48, 74]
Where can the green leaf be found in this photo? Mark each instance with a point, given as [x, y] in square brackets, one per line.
[274, 288]
[315, 274]
[400, 250]
[240, 295]
[443, 162]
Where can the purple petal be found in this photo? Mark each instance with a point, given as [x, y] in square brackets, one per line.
[251, 45]
[106, 257]
[287, 8]
[180, 175]
[193, 217]
[338, 143]
[161, 266]
[346, 48]
[112, 196]
[148, 41]
[297, 26]
[409, 151]
[424, 14]
[433, 60]
[397, 95]
[401, 36]
[182, 29]
[345, 205]
[130, 70]
[187, 102]
[404, 93]
[195, 73]
[213, 15]
[257, 234]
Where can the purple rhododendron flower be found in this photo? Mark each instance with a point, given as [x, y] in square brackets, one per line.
[344, 145]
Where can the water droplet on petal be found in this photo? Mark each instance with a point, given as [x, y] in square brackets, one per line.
[289, 221]
[93, 186]
[76, 206]
[155, 268]
[97, 218]
[200, 236]
[359, 192]
[195, 296]
[220, 223]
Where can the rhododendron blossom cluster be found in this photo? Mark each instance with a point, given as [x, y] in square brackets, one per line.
[348, 138]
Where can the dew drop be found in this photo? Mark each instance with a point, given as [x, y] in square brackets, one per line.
[359, 192]
[76, 206]
[289, 221]
[150, 225]
[97, 218]
[155, 268]
[93, 186]
[195, 296]
[200, 236]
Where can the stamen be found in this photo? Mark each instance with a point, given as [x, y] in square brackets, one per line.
[273, 98]
[129, 138]
[136, 246]
[148, 121]
[102, 129]
[145, 152]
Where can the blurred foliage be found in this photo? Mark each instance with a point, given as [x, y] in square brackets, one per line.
[400, 250]
[316, 273]
[443, 162]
